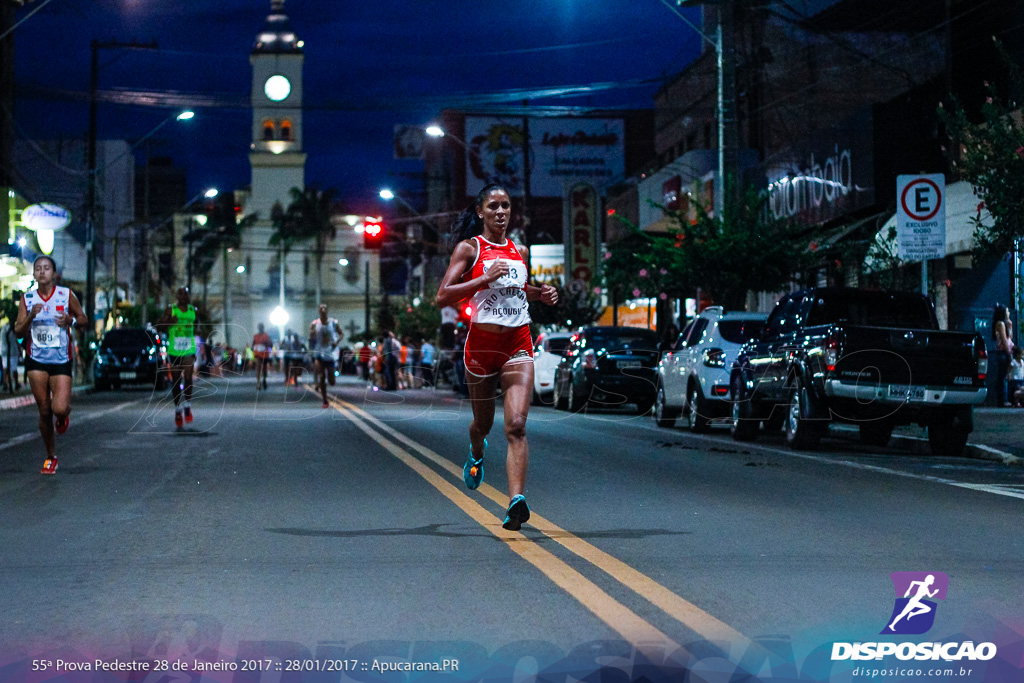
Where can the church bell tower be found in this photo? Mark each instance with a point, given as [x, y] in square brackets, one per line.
[276, 156]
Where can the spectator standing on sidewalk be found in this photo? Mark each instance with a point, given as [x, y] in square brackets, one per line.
[1003, 335]
[1015, 378]
[390, 350]
[427, 362]
[364, 356]
[10, 350]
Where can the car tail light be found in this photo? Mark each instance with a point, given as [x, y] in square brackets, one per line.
[714, 358]
[832, 350]
[719, 391]
[982, 357]
[589, 359]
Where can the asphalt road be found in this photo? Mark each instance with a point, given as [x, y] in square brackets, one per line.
[277, 535]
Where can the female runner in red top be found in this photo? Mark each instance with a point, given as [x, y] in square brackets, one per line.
[489, 269]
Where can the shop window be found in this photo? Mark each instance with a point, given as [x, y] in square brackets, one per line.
[268, 130]
[286, 130]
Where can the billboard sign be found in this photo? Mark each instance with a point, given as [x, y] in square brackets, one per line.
[45, 217]
[562, 151]
[581, 238]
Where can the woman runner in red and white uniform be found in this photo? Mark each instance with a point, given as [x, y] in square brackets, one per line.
[46, 316]
[488, 268]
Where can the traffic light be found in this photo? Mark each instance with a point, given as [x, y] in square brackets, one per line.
[373, 234]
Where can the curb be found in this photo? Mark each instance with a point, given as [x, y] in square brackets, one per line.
[29, 399]
[919, 446]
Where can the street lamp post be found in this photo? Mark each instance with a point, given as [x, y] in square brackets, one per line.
[90, 202]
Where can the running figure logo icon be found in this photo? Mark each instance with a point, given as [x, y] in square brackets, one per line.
[914, 613]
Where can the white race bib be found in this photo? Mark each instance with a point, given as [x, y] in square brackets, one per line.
[182, 343]
[46, 336]
[259, 348]
[516, 274]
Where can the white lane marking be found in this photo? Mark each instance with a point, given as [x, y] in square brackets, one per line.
[78, 419]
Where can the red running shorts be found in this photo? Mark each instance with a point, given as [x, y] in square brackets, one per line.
[488, 352]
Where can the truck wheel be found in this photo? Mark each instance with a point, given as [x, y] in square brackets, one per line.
[802, 433]
[576, 404]
[744, 422]
[697, 410]
[559, 400]
[946, 439]
[663, 415]
[876, 433]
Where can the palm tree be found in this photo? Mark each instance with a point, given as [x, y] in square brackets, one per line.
[310, 210]
[286, 235]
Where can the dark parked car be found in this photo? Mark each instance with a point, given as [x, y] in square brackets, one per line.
[608, 367]
[131, 356]
[872, 358]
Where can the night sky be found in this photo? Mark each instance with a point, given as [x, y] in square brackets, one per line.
[368, 66]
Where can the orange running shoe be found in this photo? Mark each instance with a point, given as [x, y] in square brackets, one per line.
[49, 466]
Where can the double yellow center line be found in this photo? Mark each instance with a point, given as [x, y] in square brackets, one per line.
[617, 616]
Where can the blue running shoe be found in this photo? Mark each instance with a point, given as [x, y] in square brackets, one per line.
[473, 470]
[518, 513]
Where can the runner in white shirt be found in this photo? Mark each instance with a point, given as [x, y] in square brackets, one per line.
[324, 336]
[46, 315]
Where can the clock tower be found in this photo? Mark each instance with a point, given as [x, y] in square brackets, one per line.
[276, 156]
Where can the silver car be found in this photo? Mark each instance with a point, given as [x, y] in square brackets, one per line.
[546, 355]
[693, 377]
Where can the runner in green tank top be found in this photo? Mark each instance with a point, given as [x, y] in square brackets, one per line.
[180, 322]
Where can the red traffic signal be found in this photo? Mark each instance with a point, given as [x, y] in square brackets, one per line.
[373, 234]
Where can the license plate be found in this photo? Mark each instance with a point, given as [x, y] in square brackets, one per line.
[907, 392]
[627, 363]
[127, 375]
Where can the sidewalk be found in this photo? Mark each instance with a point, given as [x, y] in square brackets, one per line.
[998, 435]
[23, 397]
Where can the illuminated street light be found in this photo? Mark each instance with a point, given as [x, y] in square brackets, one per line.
[279, 317]
[387, 194]
[343, 262]
[240, 269]
[435, 131]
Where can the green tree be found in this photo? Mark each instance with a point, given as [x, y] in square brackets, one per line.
[989, 154]
[419, 322]
[311, 210]
[745, 249]
[576, 306]
[385, 316]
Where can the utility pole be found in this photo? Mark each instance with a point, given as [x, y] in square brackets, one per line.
[724, 41]
[366, 295]
[728, 128]
[90, 201]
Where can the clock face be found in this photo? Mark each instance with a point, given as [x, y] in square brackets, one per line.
[277, 88]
